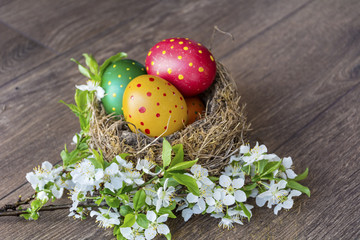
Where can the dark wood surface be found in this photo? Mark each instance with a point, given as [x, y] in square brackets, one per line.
[296, 64]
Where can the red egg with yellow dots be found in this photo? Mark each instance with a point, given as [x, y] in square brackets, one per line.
[154, 106]
[195, 109]
[185, 63]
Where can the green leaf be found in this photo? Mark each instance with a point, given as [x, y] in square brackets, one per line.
[271, 167]
[120, 236]
[113, 202]
[262, 164]
[25, 215]
[125, 209]
[83, 70]
[108, 61]
[72, 107]
[129, 220]
[302, 176]
[182, 166]
[124, 197]
[166, 153]
[188, 181]
[98, 160]
[108, 192]
[297, 186]
[82, 99]
[168, 236]
[99, 201]
[142, 221]
[179, 154]
[166, 211]
[213, 178]
[246, 211]
[35, 205]
[91, 63]
[250, 187]
[246, 169]
[171, 181]
[139, 199]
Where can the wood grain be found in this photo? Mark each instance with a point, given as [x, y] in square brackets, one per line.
[290, 74]
[62, 25]
[330, 147]
[55, 80]
[18, 54]
[296, 64]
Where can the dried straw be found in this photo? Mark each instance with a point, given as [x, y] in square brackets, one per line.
[211, 139]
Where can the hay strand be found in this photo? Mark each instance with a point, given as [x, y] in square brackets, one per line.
[212, 139]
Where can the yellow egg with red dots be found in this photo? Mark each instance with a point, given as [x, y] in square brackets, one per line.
[154, 106]
[195, 109]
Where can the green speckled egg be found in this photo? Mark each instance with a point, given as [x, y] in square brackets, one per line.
[114, 81]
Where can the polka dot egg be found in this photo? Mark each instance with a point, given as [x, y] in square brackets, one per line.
[185, 63]
[114, 81]
[154, 106]
[195, 109]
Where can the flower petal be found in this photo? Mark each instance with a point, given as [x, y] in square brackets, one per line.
[192, 198]
[126, 232]
[229, 200]
[288, 204]
[151, 216]
[240, 196]
[244, 149]
[210, 201]
[224, 181]
[162, 218]
[290, 173]
[260, 201]
[287, 162]
[163, 229]
[238, 183]
[277, 208]
[150, 233]
[186, 214]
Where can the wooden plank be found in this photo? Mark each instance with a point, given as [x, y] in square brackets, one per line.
[294, 71]
[38, 93]
[19, 54]
[330, 147]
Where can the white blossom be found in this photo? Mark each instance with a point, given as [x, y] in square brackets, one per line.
[146, 166]
[277, 195]
[234, 171]
[112, 178]
[42, 196]
[200, 174]
[133, 233]
[125, 164]
[226, 221]
[86, 176]
[200, 206]
[90, 86]
[164, 195]
[43, 175]
[151, 195]
[216, 201]
[287, 162]
[288, 203]
[156, 225]
[106, 218]
[133, 177]
[232, 190]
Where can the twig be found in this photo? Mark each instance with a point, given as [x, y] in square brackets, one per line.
[17, 204]
[48, 208]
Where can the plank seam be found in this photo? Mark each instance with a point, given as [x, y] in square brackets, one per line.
[351, 89]
[289, 15]
[28, 37]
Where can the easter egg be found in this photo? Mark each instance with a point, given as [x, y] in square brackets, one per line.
[154, 106]
[195, 109]
[185, 63]
[114, 81]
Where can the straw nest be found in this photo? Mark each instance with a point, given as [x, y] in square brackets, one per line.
[212, 139]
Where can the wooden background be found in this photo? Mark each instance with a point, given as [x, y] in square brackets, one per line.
[296, 63]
